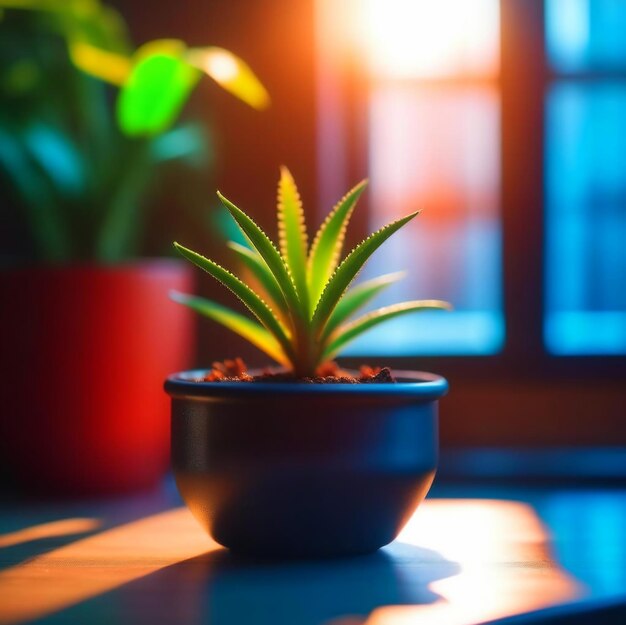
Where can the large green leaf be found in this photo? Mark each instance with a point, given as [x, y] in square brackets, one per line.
[328, 242]
[249, 298]
[244, 327]
[256, 265]
[357, 297]
[268, 252]
[231, 73]
[348, 269]
[353, 329]
[156, 89]
[292, 234]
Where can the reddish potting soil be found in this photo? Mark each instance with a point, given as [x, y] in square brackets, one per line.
[330, 373]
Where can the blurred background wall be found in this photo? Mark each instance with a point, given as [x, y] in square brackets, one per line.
[504, 121]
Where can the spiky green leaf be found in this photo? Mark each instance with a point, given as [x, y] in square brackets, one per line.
[348, 269]
[328, 242]
[268, 252]
[292, 234]
[252, 260]
[351, 330]
[249, 298]
[241, 325]
[357, 297]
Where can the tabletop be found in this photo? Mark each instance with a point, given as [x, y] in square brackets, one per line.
[468, 555]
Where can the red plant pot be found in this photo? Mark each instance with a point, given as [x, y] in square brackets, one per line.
[83, 354]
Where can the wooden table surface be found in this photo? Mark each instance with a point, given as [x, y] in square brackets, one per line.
[468, 555]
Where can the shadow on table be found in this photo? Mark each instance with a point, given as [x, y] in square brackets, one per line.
[217, 587]
[29, 542]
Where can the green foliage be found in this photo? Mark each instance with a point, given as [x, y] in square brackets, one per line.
[305, 306]
[79, 169]
[156, 89]
[245, 327]
[156, 79]
[328, 242]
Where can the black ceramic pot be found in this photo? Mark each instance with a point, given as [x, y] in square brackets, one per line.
[304, 470]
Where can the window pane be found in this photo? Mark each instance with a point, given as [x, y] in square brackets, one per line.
[438, 149]
[586, 219]
[586, 34]
[427, 39]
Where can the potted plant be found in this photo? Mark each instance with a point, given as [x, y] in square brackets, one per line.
[307, 460]
[88, 124]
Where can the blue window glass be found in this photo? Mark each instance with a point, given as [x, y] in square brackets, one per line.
[586, 34]
[585, 267]
[438, 149]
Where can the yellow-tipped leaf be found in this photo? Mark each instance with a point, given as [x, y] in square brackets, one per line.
[351, 330]
[292, 234]
[348, 269]
[237, 323]
[266, 249]
[356, 298]
[328, 242]
[249, 298]
[252, 260]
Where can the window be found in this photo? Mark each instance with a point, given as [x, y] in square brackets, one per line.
[585, 35]
[432, 119]
[585, 204]
[425, 107]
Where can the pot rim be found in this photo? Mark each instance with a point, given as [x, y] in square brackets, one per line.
[422, 384]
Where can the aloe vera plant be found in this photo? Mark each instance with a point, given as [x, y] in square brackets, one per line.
[304, 305]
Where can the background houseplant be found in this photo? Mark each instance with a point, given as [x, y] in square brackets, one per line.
[87, 124]
[290, 464]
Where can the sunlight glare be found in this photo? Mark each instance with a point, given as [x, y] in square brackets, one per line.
[222, 66]
[503, 551]
[231, 72]
[425, 39]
